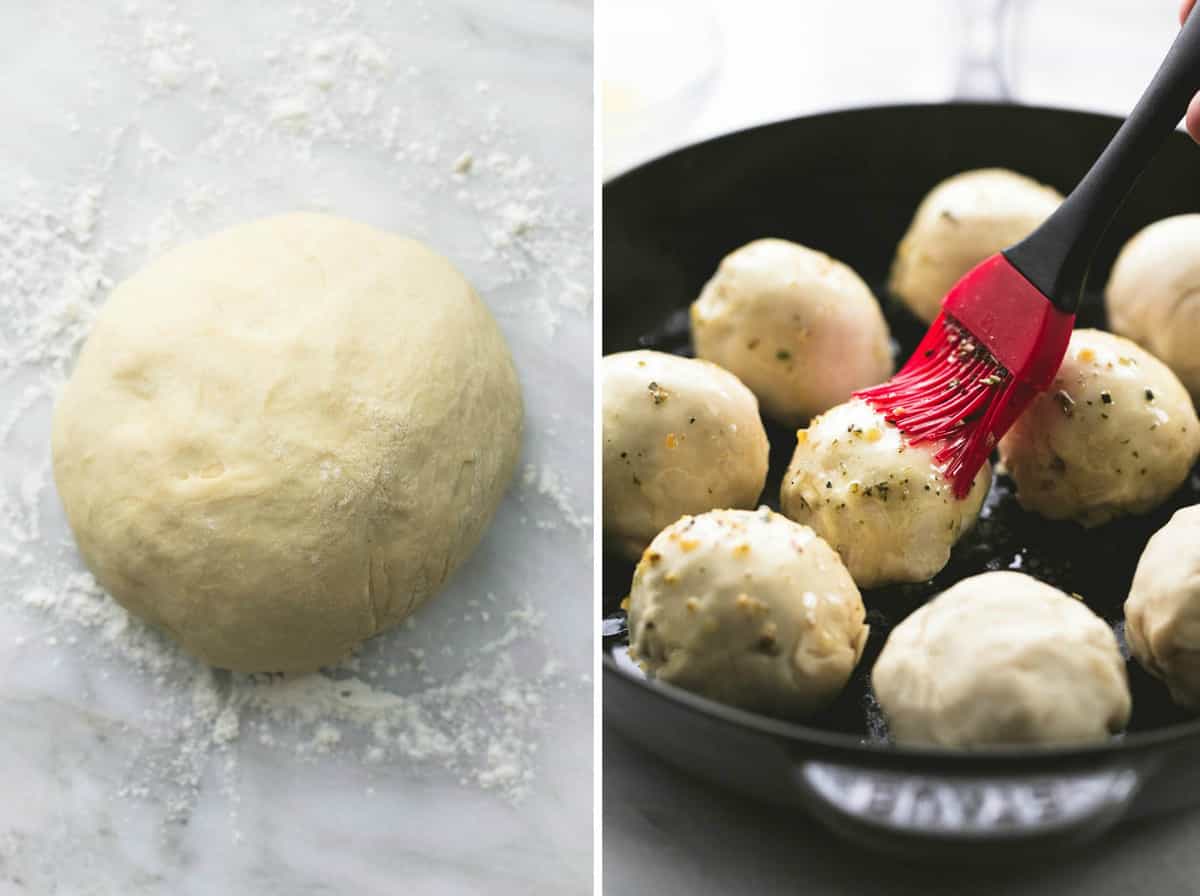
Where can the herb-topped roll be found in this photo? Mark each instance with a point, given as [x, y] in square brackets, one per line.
[1115, 434]
[801, 329]
[880, 502]
[680, 436]
[748, 608]
[962, 221]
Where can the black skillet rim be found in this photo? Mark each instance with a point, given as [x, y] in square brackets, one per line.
[875, 753]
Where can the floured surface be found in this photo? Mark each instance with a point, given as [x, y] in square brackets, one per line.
[452, 754]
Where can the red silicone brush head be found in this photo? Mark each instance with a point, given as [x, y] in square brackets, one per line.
[997, 343]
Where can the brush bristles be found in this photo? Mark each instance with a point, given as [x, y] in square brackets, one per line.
[951, 391]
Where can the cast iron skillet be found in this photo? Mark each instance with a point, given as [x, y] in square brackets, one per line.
[848, 183]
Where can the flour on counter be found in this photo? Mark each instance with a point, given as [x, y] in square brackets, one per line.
[321, 93]
[546, 481]
[480, 722]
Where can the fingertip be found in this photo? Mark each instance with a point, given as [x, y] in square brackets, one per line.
[1191, 121]
[1185, 9]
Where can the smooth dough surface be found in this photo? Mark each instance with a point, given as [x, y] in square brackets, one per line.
[1162, 612]
[962, 221]
[1153, 295]
[282, 439]
[1115, 434]
[801, 329]
[881, 503]
[1002, 659]
[680, 436]
[748, 608]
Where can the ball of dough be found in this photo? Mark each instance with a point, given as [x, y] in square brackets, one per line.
[748, 608]
[962, 221]
[680, 436]
[881, 503]
[1153, 295]
[1115, 433]
[1162, 613]
[281, 440]
[1002, 659]
[799, 328]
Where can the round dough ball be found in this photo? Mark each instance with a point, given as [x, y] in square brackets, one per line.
[799, 328]
[881, 503]
[1115, 433]
[281, 440]
[748, 608]
[1002, 659]
[680, 436]
[1153, 295]
[958, 224]
[1162, 613]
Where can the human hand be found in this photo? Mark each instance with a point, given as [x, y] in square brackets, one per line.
[1192, 119]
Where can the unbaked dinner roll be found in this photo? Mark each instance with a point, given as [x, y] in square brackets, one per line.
[748, 608]
[1116, 433]
[1002, 659]
[958, 224]
[881, 503]
[1162, 613]
[801, 329]
[680, 436]
[1153, 295]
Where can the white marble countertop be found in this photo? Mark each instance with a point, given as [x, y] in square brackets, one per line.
[454, 755]
[665, 832]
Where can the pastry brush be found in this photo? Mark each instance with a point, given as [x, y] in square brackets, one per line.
[1004, 327]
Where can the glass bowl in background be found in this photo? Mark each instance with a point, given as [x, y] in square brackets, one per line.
[1097, 55]
[659, 61]
[677, 71]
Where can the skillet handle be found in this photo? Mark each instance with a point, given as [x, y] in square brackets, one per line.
[933, 815]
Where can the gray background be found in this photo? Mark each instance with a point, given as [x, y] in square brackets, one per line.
[667, 833]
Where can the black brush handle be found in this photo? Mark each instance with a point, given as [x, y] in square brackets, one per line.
[1056, 257]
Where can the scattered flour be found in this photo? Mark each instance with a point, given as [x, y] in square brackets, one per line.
[320, 89]
[480, 722]
[547, 482]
